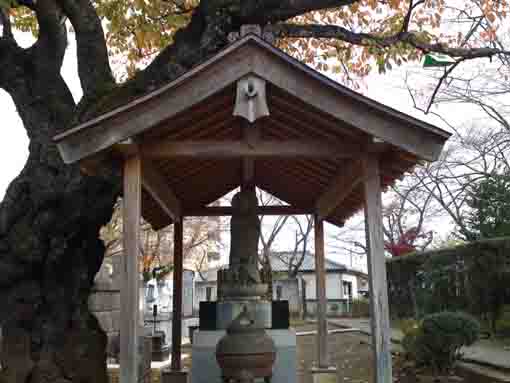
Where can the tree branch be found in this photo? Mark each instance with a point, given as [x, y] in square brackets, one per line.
[11, 56]
[5, 23]
[271, 11]
[407, 17]
[367, 39]
[47, 54]
[202, 38]
[440, 82]
[93, 65]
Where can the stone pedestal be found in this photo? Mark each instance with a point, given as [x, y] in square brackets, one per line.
[323, 375]
[160, 349]
[204, 368]
[104, 302]
[145, 353]
[169, 376]
[259, 310]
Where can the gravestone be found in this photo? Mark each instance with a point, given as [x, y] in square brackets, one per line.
[104, 301]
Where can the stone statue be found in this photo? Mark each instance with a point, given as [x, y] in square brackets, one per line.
[244, 237]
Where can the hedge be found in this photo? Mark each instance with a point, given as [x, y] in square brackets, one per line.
[474, 277]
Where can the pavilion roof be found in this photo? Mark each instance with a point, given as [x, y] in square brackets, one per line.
[304, 106]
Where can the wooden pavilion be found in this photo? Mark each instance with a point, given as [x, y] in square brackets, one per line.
[253, 116]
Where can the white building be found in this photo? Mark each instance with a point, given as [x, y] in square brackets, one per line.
[342, 284]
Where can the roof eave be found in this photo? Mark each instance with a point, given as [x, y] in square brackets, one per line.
[420, 138]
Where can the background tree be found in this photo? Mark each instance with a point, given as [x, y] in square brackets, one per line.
[402, 236]
[52, 213]
[302, 232]
[201, 235]
[268, 234]
[489, 202]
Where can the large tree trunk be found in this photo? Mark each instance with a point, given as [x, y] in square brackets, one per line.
[50, 251]
[51, 215]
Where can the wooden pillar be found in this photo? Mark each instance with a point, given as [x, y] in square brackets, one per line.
[380, 319]
[129, 294]
[177, 297]
[320, 283]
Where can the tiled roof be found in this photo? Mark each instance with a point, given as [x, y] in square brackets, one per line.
[280, 262]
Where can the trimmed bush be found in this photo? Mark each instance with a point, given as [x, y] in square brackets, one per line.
[453, 279]
[503, 328]
[437, 340]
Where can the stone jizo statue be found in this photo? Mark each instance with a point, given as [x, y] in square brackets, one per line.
[244, 237]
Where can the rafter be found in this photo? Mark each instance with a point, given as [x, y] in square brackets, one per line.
[342, 185]
[157, 186]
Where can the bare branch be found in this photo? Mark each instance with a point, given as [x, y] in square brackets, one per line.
[440, 83]
[407, 17]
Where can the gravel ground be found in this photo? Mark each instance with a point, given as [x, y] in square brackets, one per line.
[352, 354]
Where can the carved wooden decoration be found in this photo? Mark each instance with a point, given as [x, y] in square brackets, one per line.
[251, 102]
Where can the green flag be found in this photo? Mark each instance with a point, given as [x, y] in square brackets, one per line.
[437, 60]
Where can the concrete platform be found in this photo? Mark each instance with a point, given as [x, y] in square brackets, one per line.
[204, 368]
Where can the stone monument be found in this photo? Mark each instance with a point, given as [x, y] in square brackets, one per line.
[243, 345]
[239, 286]
[246, 351]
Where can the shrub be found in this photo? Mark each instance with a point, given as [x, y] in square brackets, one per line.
[360, 307]
[334, 307]
[503, 328]
[437, 340]
[409, 326]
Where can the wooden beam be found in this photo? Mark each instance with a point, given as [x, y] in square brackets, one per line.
[342, 185]
[129, 294]
[157, 186]
[238, 148]
[177, 296]
[218, 211]
[320, 282]
[380, 318]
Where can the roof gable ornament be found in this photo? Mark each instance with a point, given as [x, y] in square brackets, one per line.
[251, 102]
[266, 33]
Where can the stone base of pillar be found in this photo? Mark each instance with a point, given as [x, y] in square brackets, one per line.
[323, 375]
[170, 376]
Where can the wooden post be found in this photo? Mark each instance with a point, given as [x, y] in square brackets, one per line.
[177, 297]
[320, 282]
[129, 294]
[381, 332]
